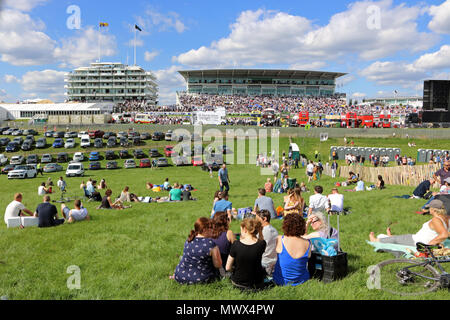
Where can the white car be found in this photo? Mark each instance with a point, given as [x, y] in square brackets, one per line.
[23, 172]
[75, 170]
[82, 133]
[78, 157]
[85, 141]
[3, 159]
[129, 164]
[70, 143]
[17, 160]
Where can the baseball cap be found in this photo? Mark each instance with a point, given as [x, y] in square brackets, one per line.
[436, 204]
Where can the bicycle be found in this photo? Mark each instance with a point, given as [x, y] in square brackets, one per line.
[411, 277]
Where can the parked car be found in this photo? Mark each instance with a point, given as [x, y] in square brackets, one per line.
[129, 163]
[31, 132]
[158, 136]
[4, 142]
[78, 157]
[52, 167]
[98, 143]
[138, 154]
[122, 134]
[58, 143]
[46, 158]
[145, 136]
[197, 161]
[70, 143]
[86, 141]
[82, 133]
[18, 140]
[62, 157]
[96, 134]
[94, 156]
[71, 134]
[3, 129]
[110, 155]
[112, 142]
[49, 134]
[168, 151]
[8, 132]
[108, 135]
[17, 132]
[133, 134]
[161, 162]
[136, 141]
[110, 165]
[59, 134]
[16, 160]
[123, 154]
[145, 163]
[26, 146]
[23, 172]
[75, 170]
[124, 142]
[3, 159]
[30, 138]
[8, 168]
[32, 159]
[181, 161]
[154, 153]
[41, 143]
[95, 165]
[12, 147]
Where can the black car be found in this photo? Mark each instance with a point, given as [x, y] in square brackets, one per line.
[98, 143]
[26, 146]
[139, 154]
[12, 147]
[41, 143]
[158, 136]
[59, 134]
[112, 165]
[62, 157]
[123, 154]
[3, 129]
[136, 141]
[32, 159]
[124, 142]
[112, 142]
[145, 136]
[110, 155]
[108, 135]
[30, 132]
[154, 153]
[4, 142]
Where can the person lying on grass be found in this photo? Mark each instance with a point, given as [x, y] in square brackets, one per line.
[433, 232]
[77, 214]
[201, 258]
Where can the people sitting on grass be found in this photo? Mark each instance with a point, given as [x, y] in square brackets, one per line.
[423, 188]
[78, 213]
[294, 203]
[264, 203]
[380, 183]
[102, 185]
[42, 190]
[268, 186]
[318, 202]
[336, 201]
[91, 192]
[126, 196]
[175, 193]
[353, 178]
[16, 208]
[270, 234]
[360, 185]
[318, 222]
[47, 214]
[166, 185]
[222, 236]
[245, 259]
[201, 259]
[433, 232]
[108, 204]
[222, 204]
[293, 252]
[443, 173]
[83, 185]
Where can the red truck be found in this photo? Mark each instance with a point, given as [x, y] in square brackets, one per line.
[303, 118]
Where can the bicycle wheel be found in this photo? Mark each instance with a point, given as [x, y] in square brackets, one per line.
[394, 278]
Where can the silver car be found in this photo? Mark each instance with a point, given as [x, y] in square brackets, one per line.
[129, 164]
[17, 160]
[70, 143]
[46, 158]
[52, 167]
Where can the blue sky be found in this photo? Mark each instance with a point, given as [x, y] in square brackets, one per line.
[383, 45]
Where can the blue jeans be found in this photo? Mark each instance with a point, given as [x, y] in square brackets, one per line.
[226, 185]
[431, 199]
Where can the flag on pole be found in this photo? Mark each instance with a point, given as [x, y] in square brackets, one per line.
[137, 27]
[104, 24]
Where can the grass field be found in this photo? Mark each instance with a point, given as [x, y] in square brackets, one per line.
[130, 254]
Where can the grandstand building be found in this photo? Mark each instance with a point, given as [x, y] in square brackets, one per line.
[111, 82]
[254, 82]
[400, 100]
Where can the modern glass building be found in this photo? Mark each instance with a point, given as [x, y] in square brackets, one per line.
[111, 82]
[261, 82]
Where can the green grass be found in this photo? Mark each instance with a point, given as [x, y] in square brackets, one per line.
[130, 254]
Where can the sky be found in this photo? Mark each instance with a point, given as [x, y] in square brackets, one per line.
[384, 46]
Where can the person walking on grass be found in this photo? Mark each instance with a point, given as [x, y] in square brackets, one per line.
[224, 180]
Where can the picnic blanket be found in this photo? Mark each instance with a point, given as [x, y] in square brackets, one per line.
[398, 250]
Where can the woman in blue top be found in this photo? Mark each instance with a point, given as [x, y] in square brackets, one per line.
[201, 257]
[293, 253]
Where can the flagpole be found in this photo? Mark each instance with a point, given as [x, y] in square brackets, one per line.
[135, 45]
[99, 54]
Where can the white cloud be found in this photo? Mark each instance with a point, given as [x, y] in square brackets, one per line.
[165, 22]
[169, 82]
[316, 65]
[440, 23]
[393, 73]
[9, 78]
[268, 37]
[46, 83]
[82, 49]
[22, 40]
[436, 60]
[149, 56]
[342, 81]
[23, 5]
[359, 95]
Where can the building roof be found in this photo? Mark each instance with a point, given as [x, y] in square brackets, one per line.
[282, 74]
[58, 107]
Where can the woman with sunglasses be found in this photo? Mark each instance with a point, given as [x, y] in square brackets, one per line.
[319, 224]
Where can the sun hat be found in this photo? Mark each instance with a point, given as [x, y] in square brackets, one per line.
[436, 204]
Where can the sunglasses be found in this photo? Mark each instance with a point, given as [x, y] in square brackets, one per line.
[317, 220]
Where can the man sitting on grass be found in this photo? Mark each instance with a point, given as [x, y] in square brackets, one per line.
[77, 214]
[47, 214]
[16, 208]
[222, 204]
[423, 188]
[318, 202]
